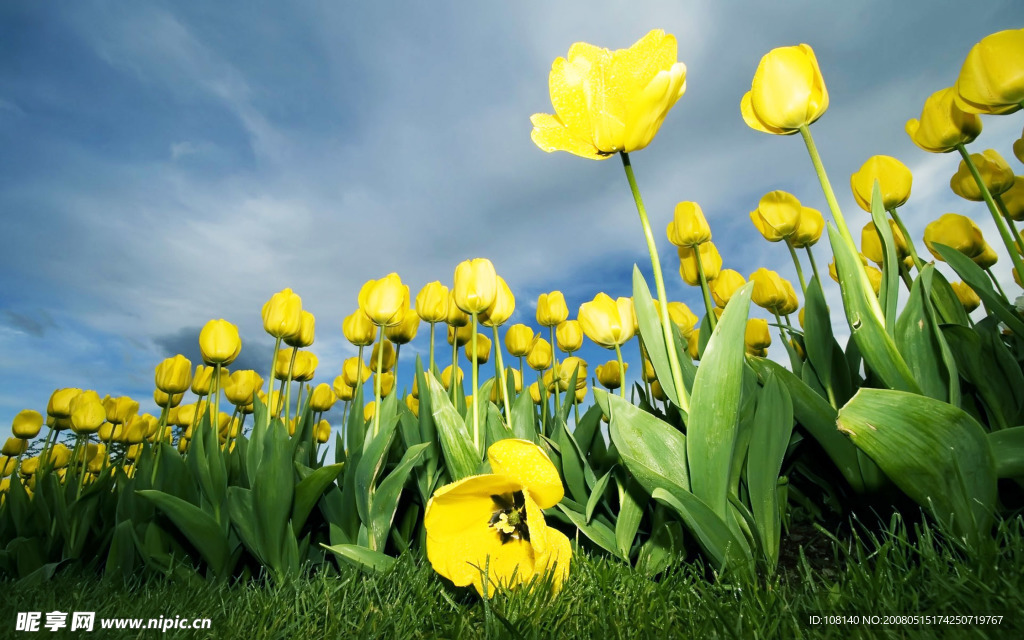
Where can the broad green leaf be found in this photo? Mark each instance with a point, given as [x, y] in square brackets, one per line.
[975, 276]
[947, 306]
[362, 557]
[818, 339]
[652, 334]
[715, 537]
[889, 289]
[244, 518]
[597, 532]
[937, 454]
[773, 426]
[597, 494]
[653, 451]
[375, 454]
[205, 533]
[983, 361]
[632, 499]
[919, 345]
[462, 458]
[524, 424]
[385, 500]
[308, 492]
[1008, 450]
[664, 546]
[715, 406]
[572, 465]
[933, 282]
[272, 494]
[864, 315]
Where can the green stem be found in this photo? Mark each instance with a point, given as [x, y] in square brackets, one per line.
[270, 378]
[476, 418]
[455, 364]
[288, 387]
[799, 271]
[996, 282]
[431, 369]
[1006, 215]
[398, 353]
[906, 236]
[622, 372]
[814, 265]
[542, 391]
[556, 372]
[905, 274]
[826, 186]
[1004, 232]
[705, 289]
[376, 386]
[499, 370]
[659, 281]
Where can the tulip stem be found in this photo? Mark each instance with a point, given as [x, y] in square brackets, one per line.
[1002, 208]
[814, 265]
[622, 372]
[705, 290]
[906, 236]
[476, 417]
[455, 364]
[556, 372]
[1004, 232]
[826, 186]
[659, 282]
[215, 390]
[499, 369]
[376, 386]
[799, 270]
[288, 387]
[270, 378]
[431, 369]
[992, 277]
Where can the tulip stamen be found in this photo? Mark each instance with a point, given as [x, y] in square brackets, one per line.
[509, 517]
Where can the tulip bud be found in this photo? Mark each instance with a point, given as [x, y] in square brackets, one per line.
[459, 336]
[791, 304]
[355, 372]
[219, 342]
[174, 375]
[551, 309]
[306, 363]
[27, 424]
[387, 383]
[413, 404]
[535, 394]
[323, 430]
[29, 466]
[359, 329]
[476, 285]
[657, 391]
[756, 337]
[162, 399]
[990, 80]
[608, 322]
[788, 91]
[202, 381]
[943, 125]
[368, 411]
[119, 410]
[501, 309]
[956, 231]
[726, 285]
[88, 413]
[432, 302]
[995, 173]
[388, 357]
[608, 374]
[446, 376]
[688, 228]
[871, 242]
[968, 298]
[60, 455]
[769, 291]
[135, 431]
[304, 336]
[682, 317]
[60, 401]
[14, 447]
[540, 355]
[875, 278]
[385, 301]
[808, 229]
[282, 314]
[894, 181]
[405, 331]
[456, 316]
[987, 258]
[344, 391]
[569, 336]
[648, 373]
[483, 349]
[518, 339]
[498, 389]
[710, 262]
[241, 386]
[777, 215]
[1013, 199]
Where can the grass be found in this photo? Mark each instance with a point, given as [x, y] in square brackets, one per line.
[897, 570]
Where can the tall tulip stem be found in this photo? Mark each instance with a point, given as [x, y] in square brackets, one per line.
[288, 387]
[799, 270]
[622, 372]
[906, 236]
[659, 282]
[826, 186]
[556, 372]
[705, 289]
[270, 378]
[814, 265]
[376, 387]
[1004, 232]
[431, 369]
[1009, 221]
[499, 370]
[476, 417]
[215, 390]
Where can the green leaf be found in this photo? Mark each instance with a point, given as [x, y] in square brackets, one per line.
[524, 425]
[1008, 450]
[362, 557]
[308, 492]
[715, 406]
[272, 494]
[597, 532]
[864, 315]
[374, 456]
[597, 494]
[937, 454]
[244, 518]
[653, 451]
[572, 465]
[718, 541]
[773, 427]
[983, 361]
[385, 500]
[889, 289]
[975, 276]
[919, 345]
[462, 459]
[818, 338]
[632, 499]
[651, 332]
[205, 533]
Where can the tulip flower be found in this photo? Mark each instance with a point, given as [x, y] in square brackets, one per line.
[791, 303]
[968, 298]
[14, 447]
[483, 350]
[456, 316]
[569, 336]
[476, 285]
[1018, 148]
[219, 342]
[808, 229]
[688, 228]
[88, 413]
[446, 376]
[27, 424]
[119, 410]
[609, 323]
[551, 309]
[322, 431]
[943, 126]
[307, 329]
[413, 404]
[1013, 200]
[241, 386]
[282, 314]
[690, 269]
[60, 401]
[992, 77]
[788, 92]
[871, 242]
[174, 375]
[302, 369]
[345, 392]
[202, 380]
[490, 529]
[502, 308]
[995, 173]
[956, 231]
[387, 383]
[609, 375]
[355, 372]
[405, 331]
[769, 291]
[518, 340]
[726, 285]
[359, 329]
[432, 302]
[460, 336]
[607, 102]
[987, 258]
[540, 354]
[756, 337]
[894, 180]
[384, 301]
[777, 215]
[682, 317]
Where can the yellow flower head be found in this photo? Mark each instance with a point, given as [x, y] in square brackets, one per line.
[540, 355]
[610, 101]
[27, 424]
[483, 349]
[282, 314]
[689, 227]
[942, 125]
[726, 285]
[241, 386]
[569, 336]
[894, 180]
[432, 302]
[303, 336]
[405, 331]
[808, 229]
[1013, 198]
[710, 262]
[995, 173]
[968, 298]
[502, 308]
[384, 301]
[608, 374]
[551, 309]
[518, 340]
[489, 531]
[219, 342]
[359, 329]
[769, 291]
[476, 285]
[342, 390]
[956, 231]
[871, 242]
[174, 375]
[757, 337]
[788, 91]
[777, 215]
[607, 322]
[992, 78]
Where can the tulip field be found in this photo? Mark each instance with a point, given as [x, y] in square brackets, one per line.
[514, 488]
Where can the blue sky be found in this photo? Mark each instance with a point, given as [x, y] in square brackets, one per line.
[169, 163]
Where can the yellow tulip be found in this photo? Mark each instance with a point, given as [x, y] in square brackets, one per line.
[689, 227]
[354, 372]
[609, 323]
[791, 304]
[219, 342]
[551, 309]
[610, 101]
[569, 336]
[384, 301]
[344, 391]
[992, 77]
[456, 316]
[459, 336]
[518, 339]
[987, 257]
[648, 374]
[304, 336]
[710, 262]
[483, 349]
[60, 401]
[135, 431]
[968, 298]
[202, 380]
[943, 125]
[682, 317]
[874, 277]
[871, 242]
[995, 173]
[476, 285]
[832, 266]
[608, 374]
[535, 394]
[726, 285]
[323, 431]
[693, 344]
[446, 376]
[562, 374]
[14, 447]
[282, 314]
[174, 375]
[1018, 148]
[27, 424]
[769, 291]
[304, 368]
[756, 337]
[894, 181]
[405, 331]
[413, 404]
[60, 455]
[808, 229]
[359, 329]
[777, 215]
[387, 383]
[787, 92]
[119, 410]
[241, 386]
[501, 309]
[956, 231]
[88, 413]
[432, 302]
[540, 354]
[29, 466]
[1013, 199]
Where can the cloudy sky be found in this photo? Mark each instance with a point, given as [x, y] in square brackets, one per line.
[168, 163]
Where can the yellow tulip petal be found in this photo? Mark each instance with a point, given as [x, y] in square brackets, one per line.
[750, 117]
[526, 464]
[551, 135]
[781, 88]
